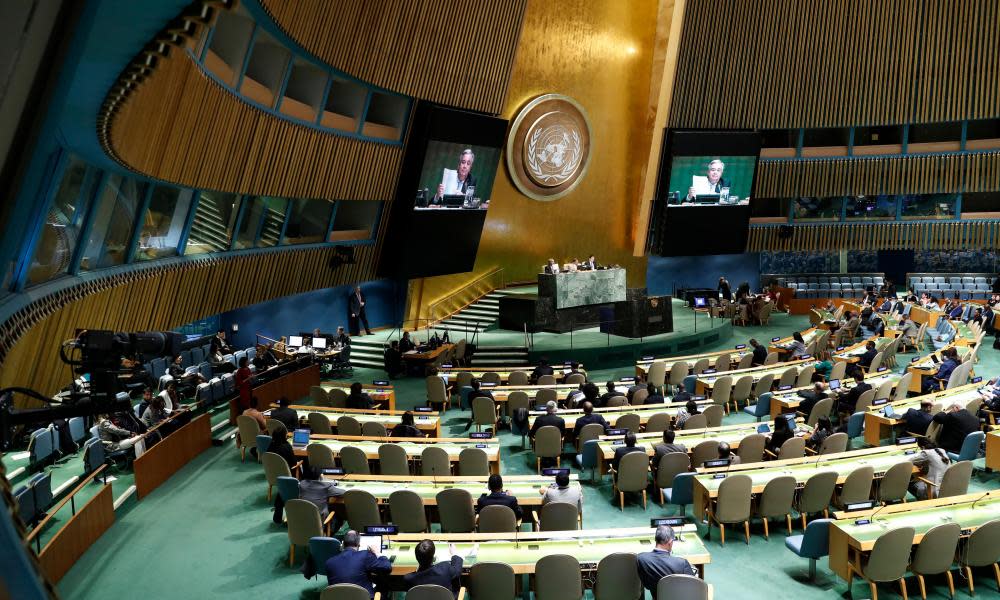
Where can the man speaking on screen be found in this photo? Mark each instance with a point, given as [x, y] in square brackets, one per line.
[457, 182]
[710, 184]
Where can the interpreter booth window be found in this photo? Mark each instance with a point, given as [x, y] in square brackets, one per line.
[871, 208]
[54, 249]
[308, 221]
[163, 223]
[354, 220]
[817, 209]
[113, 223]
[929, 206]
[262, 221]
[214, 219]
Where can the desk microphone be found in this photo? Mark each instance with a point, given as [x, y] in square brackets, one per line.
[979, 498]
[433, 477]
[872, 518]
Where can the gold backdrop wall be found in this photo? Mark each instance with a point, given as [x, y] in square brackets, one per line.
[600, 53]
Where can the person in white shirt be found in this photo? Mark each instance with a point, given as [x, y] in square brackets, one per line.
[712, 183]
[171, 399]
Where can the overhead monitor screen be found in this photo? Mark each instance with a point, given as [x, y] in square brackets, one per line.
[710, 167]
[456, 176]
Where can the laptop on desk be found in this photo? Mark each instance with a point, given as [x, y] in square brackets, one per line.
[300, 438]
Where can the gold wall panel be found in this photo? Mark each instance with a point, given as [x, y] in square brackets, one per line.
[802, 63]
[450, 51]
[600, 53]
[181, 126]
[965, 235]
[870, 176]
[160, 298]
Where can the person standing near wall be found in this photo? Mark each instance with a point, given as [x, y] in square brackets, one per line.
[358, 316]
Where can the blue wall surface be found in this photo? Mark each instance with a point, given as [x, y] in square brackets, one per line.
[665, 273]
[326, 309]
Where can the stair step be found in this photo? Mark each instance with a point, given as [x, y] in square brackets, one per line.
[479, 312]
[372, 364]
[488, 348]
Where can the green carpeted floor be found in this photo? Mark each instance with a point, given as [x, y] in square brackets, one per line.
[207, 532]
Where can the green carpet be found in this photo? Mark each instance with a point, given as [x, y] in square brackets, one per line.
[207, 532]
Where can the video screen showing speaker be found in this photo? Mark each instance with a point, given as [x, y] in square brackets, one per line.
[443, 191]
[456, 176]
[709, 167]
[703, 193]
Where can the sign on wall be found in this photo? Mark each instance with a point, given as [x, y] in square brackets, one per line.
[548, 148]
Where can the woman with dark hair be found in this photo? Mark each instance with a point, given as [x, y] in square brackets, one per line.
[406, 428]
[933, 462]
[823, 430]
[782, 433]
[281, 447]
[244, 383]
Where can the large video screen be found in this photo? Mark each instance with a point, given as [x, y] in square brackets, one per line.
[709, 167]
[443, 191]
[456, 176]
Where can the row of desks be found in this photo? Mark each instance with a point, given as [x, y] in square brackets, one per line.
[414, 447]
[706, 381]
[427, 422]
[560, 372]
[925, 367]
[385, 395]
[526, 488]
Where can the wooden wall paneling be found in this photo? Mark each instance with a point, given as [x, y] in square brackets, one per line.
[157, 464]
[409, 47]
[77, 535]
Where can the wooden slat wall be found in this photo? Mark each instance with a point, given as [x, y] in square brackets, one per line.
[160, 298]
[868, 176]
[801, 63]
[966, 235]
[448, 51]
[181, 126]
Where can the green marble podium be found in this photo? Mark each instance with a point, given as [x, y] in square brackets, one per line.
[583, 288]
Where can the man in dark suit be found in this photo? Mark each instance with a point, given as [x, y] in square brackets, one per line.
[865, 360]
[392, 360]
[847, 402]
[657, 564]
[357, 300]
[358, 399]
[479, 393]
[713, 182]
[654, 397]
[498, 496]
[587, 418]
[354, 565]
[759, 353]
[811, 397]
[286, 415]
[549, 418]
[628, 448]
[956, 423]
[917, 420]
[666, 447]
[947, 367]
[445, 574]
[543, 368]
[611, 393]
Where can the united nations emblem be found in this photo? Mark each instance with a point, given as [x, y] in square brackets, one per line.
[548, 147]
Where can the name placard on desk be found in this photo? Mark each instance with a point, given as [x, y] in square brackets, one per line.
[480, 435]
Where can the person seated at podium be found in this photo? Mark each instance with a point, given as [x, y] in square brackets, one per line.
[463, 178]
[590, 264]
[359, 399]
[865, 360]
[711, 183]
[551, 267]
[725, 453]
[406, 344]
[798, 346]
[666, 447]
[572, 266]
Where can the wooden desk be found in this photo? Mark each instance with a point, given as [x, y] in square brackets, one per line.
[428, 422]
[706, 487]
[560, 371]
[642, 366]
[879, 427]
[524, 487]
[782, 346]
[789, 400]
[502, 392]
[926, 367]
[413, 446]
[428, 358]
[852, 353]
[705, 382]
[292, 385]
[732, 434]
[993, 450]
[385, 395]
[921, 315]
[611, 414]
[588, 546]
[850, 541]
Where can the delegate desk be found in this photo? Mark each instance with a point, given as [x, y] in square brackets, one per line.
[783, 346]
[921, 315]
[849, 541]
[428, 422]
[789, 400]
[583, 288]
[561, 371]
[421, 360]
[732, 434]
[964, 335]
[993, 450]
[642, 366]
[413, 446]
[852, 353]
[706, 485]
[385, 395]
[705, 381]
[928, 367]
[522, 550]
[524, 487]
[612, 413]
[502, 392]
[878, 426]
